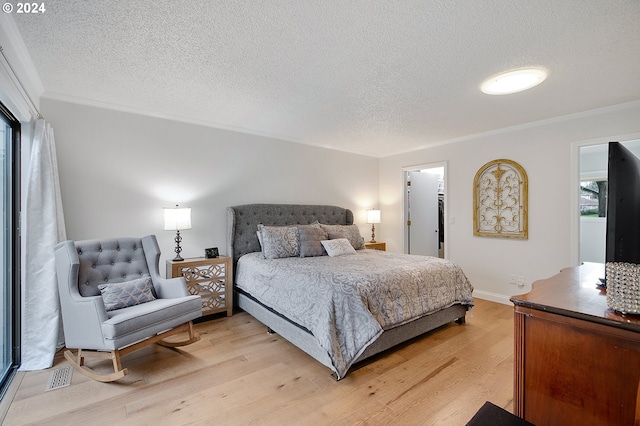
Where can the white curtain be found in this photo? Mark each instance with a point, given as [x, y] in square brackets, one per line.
[41, 320]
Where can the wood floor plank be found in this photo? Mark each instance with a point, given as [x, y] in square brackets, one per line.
[237, 374]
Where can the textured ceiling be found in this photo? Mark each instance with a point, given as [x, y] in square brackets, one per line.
[376, 77]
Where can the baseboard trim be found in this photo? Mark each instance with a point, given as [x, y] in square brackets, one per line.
[493, 297]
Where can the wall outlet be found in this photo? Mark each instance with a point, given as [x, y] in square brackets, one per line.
[516, 280]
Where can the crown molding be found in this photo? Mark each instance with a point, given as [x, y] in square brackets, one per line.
[524, 126]
[16, 52]
[154, 114]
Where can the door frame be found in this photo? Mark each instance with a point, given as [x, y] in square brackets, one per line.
[575, 184]
[13, 258]
[416, 168]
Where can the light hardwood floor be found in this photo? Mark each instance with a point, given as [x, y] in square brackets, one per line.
[237, 374]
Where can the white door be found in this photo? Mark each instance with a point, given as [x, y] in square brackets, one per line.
[422, 213]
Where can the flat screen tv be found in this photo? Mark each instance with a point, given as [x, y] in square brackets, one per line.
[623, 206]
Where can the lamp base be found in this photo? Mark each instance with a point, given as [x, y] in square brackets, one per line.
[373, 234]
[178, 249]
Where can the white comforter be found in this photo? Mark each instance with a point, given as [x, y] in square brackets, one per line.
[347, 301]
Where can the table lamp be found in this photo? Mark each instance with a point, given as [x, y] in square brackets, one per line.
[175, 219]
[373, 217]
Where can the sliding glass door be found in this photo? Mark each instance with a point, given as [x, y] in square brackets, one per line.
[9, 247]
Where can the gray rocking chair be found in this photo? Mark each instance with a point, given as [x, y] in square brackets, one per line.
[132, 313]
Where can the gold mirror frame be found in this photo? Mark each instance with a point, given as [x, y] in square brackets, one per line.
[500, 192]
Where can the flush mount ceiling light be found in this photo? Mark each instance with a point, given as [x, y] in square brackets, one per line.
[513, 81]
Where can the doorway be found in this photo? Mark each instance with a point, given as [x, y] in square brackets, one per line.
[593, 163]
[590, 176]
[424, 209]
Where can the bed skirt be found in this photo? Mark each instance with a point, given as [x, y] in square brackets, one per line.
[304, 340]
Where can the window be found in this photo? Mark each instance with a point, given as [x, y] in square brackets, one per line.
[9, 247]
[593, 198]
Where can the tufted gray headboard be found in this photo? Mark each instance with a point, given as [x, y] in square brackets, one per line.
[242, 222]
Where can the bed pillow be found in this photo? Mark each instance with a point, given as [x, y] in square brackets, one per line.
[127, 293]
[309, 238]
[279, 241]
[338, 247]
[336, 235]
[351, 233]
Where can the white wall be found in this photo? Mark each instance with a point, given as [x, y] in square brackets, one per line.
[544, 150]
[117, 171]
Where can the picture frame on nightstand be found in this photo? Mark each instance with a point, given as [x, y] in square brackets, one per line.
[211, 253]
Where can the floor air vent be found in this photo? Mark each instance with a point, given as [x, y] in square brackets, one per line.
[60, 378]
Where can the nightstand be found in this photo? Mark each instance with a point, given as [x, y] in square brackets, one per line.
[211, 279]
[376, 246]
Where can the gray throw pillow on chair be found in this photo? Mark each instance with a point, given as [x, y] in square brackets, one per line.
[127, 293]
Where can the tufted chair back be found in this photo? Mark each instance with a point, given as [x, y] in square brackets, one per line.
[109, 261]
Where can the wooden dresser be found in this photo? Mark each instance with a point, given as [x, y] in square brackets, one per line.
[577, 362]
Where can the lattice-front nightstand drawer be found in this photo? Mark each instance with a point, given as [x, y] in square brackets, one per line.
[211, 279]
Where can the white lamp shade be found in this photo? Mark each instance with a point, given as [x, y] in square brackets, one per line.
[373, 216]
[176, 218]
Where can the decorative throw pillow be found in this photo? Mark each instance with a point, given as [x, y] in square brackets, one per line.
[338, 247]
[127, 293]
[279, 241]
[351, 233]
[336, 234]
[309, 237]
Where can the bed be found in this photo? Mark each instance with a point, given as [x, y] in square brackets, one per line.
[331, 307]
